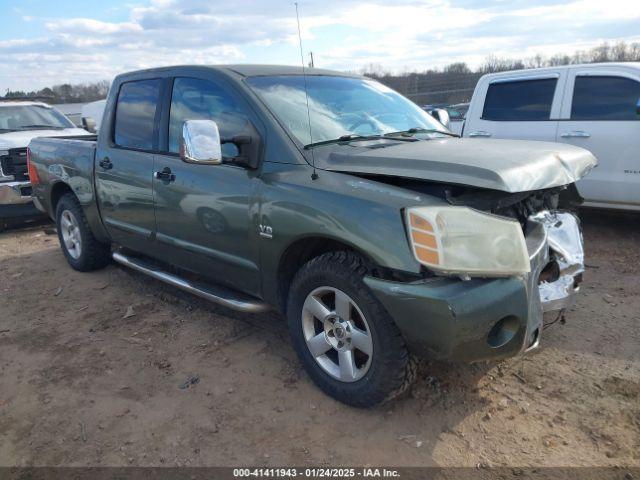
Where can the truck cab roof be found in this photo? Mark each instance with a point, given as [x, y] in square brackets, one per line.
[578, 66]
[243, 70]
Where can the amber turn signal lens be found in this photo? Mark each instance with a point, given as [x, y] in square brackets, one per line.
[423, 240]
[421, 223]
[425, 255]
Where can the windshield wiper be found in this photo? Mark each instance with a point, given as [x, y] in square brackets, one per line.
[344, 138]
[413, 131]
[354, 137]
[52, 127]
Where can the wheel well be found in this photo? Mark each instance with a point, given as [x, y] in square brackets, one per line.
[58, 190]
[299, 253]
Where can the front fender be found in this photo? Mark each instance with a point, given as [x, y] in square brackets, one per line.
[337, 207]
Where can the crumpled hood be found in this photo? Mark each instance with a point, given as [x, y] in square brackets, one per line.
[506, 165]
[21, 139]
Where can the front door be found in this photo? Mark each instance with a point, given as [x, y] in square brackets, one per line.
[124, 171]
[601, 114]
[204, 213]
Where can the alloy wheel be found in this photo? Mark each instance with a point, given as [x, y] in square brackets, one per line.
[337, 334]
[70, 230]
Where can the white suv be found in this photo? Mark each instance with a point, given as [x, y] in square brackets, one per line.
[594, 106]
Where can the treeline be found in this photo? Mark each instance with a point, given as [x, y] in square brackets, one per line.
[451, 84]
[66, 93]
[455, 82]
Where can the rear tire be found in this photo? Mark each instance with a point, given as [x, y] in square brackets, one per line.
[81, 249]
[354, 322]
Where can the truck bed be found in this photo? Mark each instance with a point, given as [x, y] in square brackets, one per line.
[63, 160]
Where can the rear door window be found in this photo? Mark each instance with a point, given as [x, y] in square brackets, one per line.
[605, 98]
[520, 100]
[135, 114]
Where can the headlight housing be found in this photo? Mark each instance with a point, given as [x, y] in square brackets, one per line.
[3, 177]
[463, 241]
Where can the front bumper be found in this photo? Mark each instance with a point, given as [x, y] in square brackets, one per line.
[483, 319]
[16, 202]
[15, 193]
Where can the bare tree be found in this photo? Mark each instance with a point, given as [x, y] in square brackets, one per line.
[455, 82]
[67, 93]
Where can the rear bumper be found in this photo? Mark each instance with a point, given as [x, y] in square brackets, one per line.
[483, 319]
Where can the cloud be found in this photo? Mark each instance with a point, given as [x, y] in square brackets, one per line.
[343, 34]
[88, 26]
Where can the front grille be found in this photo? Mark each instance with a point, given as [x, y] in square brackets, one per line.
[15, 163]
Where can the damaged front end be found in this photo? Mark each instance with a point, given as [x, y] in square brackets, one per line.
[561, 277]
[554, 242]
[475, 318]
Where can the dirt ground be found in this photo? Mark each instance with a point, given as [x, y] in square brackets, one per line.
[112, 368]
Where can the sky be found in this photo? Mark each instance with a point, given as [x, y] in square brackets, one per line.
[47, 42]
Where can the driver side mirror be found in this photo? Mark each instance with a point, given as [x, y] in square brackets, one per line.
[200, 142]
[442, 116]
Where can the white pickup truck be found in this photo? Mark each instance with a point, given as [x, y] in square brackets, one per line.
[594, 106]
[20, 122]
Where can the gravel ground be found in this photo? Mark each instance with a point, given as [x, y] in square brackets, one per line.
[112, 368]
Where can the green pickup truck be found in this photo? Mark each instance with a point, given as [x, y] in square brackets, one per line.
[330, 198]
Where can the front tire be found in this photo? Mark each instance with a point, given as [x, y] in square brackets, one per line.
[81, 249]
[348, 343]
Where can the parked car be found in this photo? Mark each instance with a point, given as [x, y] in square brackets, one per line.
[378, 233]
[20, 121]
[594, 106]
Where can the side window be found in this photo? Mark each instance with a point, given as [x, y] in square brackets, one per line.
[605, 98]
[196, 99]
[521, 100]
[135, 114]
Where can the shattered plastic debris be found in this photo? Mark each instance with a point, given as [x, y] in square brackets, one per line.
[190, 381]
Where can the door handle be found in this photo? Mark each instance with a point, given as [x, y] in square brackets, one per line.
[165, 175]
[480, 133]
[575, 134]
[105, 163]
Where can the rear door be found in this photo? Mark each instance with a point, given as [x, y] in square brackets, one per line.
[205, 213]
[124, 168]
[522, 106]
[601, 115]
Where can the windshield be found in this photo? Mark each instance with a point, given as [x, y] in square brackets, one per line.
[31, 117]
[339, 107]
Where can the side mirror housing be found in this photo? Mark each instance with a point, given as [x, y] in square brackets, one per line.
[200, 142]
[249, 146]
[442, 116]
[89, 124]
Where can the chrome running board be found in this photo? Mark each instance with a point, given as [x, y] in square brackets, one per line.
[217, 294]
